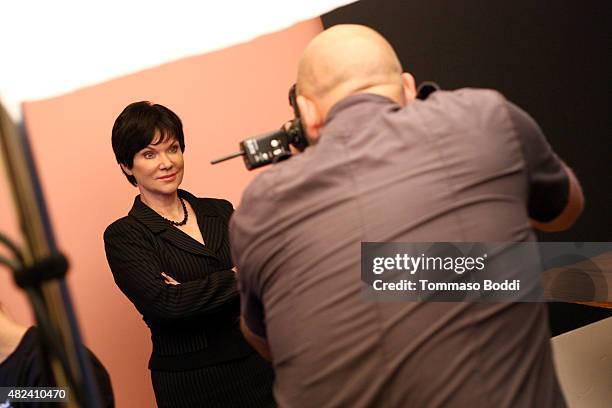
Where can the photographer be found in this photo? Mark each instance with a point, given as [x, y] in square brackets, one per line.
[461, 166]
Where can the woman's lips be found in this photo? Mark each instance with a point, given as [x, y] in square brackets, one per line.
[169, 177]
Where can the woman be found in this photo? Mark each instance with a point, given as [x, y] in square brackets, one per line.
[170, 256]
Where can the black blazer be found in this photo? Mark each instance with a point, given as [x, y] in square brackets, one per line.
[193, 324]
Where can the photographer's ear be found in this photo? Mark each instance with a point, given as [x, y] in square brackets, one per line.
[409, 88]
[312, 120]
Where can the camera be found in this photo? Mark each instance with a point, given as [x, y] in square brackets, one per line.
[274, 146]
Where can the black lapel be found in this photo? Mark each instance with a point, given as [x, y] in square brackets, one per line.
[159, 226]
[179, 239]
[211, 222]
[147, 216]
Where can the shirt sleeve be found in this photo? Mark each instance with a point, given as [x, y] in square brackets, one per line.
[246, 227]
[251, 309]
[548, 181]
[137, 269]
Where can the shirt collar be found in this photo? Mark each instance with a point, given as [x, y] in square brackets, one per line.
[351, 101]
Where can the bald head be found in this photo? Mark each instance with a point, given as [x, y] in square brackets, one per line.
[347, 59]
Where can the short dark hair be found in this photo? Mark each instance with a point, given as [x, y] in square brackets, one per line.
[135, 127]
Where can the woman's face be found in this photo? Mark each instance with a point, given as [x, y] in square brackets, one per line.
[158, 168]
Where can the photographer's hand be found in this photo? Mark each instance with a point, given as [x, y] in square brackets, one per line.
[292, 148]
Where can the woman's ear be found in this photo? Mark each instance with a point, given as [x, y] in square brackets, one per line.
[311, 117]
[126, 170]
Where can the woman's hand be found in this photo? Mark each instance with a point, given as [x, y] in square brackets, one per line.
[169, 280]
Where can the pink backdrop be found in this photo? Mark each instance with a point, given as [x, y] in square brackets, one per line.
[222, 97]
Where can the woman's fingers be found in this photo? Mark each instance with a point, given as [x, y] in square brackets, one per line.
[169, 280]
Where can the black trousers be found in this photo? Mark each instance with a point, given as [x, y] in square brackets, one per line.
[239, 383]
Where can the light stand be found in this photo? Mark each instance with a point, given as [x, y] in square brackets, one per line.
[40, 270]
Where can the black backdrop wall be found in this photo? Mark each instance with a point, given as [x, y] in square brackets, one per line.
[552, 58]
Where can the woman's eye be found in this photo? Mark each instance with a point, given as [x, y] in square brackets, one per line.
[174, 149]
[149, 155]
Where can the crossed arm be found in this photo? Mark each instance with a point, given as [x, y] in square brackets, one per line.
[139, 274]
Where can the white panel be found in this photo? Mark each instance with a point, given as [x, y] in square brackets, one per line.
[53, 47]
[583, 358]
